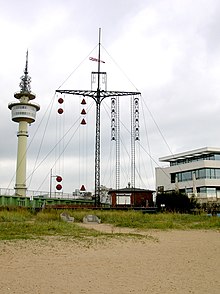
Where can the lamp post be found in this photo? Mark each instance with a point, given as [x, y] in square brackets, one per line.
[58, 179]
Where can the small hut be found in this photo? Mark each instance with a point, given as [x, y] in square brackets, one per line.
[131, 197]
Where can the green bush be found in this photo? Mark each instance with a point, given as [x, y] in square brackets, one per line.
[175, 202]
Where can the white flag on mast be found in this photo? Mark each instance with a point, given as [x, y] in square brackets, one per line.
[96, 59]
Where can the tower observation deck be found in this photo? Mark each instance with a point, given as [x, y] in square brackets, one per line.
[24, 113]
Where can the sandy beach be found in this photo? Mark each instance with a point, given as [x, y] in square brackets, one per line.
[166, 262]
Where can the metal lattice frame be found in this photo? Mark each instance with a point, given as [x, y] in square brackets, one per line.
[134, 134]
[136, 119]
[98, 96]
[115, 136]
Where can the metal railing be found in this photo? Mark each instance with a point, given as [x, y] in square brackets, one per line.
[46, 194]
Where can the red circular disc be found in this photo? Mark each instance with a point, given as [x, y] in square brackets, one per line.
[60, 110]
[58, 187]
[59, 179]
[60, 100]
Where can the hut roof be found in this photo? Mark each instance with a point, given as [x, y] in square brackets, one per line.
[129, 190]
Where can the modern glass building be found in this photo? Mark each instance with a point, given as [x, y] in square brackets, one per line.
[196, 172]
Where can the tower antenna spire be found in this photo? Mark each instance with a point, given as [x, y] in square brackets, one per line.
[99, 55]
[25, 84]
[26, 65]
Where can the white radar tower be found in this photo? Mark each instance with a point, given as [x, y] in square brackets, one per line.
[24, 113]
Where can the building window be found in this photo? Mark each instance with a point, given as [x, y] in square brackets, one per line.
[217, 173]
[217, 156]
[173, 178]
[187, 176]
[203, 173]
[207, 192]
[189, 190]
[123, 199]
[195, 158]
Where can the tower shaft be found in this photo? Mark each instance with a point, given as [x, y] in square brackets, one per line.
[20, 184]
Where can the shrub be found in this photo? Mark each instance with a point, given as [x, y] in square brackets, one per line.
[176, 202]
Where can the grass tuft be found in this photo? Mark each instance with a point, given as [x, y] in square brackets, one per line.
[15, 216]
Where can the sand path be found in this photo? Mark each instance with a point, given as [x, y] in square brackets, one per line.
[170, 262]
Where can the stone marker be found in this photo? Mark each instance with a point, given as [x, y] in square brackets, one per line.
[91, 218]
[66, 217]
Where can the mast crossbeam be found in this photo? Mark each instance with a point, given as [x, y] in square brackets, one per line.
[93, 94]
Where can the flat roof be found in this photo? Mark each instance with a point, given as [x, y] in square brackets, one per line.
[129, 190]
[191, 153]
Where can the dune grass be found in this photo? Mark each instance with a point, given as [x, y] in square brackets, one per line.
[161, 221]
[36, 230]
[17, 215]
[23, 224]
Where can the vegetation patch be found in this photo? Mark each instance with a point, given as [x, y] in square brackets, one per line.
[160, 221]
[26, 225]
[18, 215]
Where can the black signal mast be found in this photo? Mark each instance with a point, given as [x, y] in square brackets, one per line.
[98, 96]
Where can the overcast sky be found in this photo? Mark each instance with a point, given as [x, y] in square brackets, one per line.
[169, 50]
